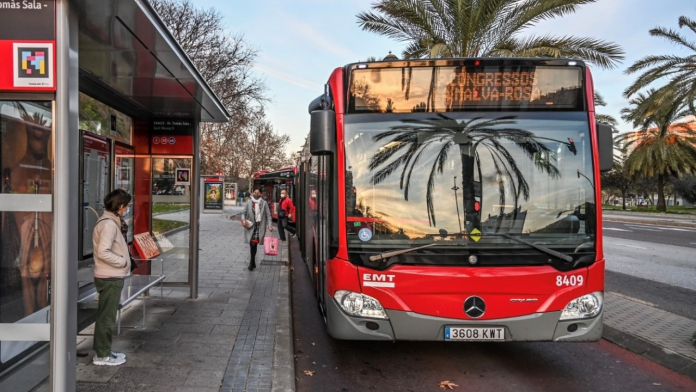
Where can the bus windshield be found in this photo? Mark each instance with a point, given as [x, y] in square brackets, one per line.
[412, 179]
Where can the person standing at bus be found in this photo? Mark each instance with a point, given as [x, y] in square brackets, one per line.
[112, 264]
[286, 210]
[256, 218]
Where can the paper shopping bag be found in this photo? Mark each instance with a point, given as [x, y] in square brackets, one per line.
[270, 246]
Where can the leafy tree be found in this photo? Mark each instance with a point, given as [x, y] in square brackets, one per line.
[618, 179]
[677, 70]
[661, 147]
[465, 28]
[225, 61]
[686, 187]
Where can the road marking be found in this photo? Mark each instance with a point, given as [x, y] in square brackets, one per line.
[615, 229]
[643, 228]
[633, 299]
[630, 246]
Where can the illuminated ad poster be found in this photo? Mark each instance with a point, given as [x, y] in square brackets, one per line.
[27, 46]
[182, 176]
[213, 196]
[26, 234]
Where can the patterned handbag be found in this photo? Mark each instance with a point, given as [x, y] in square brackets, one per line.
[255, 235]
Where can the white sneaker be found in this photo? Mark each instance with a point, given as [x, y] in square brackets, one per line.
[118, 355]
[108, 361]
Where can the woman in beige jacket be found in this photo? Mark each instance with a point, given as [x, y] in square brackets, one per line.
[112, 263]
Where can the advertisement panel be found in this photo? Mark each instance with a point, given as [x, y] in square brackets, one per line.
[27, 50]
[213, 195]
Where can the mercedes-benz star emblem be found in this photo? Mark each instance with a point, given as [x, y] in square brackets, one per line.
[474, 307]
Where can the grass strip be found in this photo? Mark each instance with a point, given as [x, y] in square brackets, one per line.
[162, 225]
[158, 208]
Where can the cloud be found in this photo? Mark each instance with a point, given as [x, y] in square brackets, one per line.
[284, 76]
[319, 40]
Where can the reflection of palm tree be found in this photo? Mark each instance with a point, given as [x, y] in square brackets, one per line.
[415, 136]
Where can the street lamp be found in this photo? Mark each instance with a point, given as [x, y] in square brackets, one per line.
[588, 180]
[455, 188]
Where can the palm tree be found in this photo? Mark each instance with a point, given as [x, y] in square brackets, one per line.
[416, 136]
[465, 28]
[679, 70]
[661, 147]
[604, 118]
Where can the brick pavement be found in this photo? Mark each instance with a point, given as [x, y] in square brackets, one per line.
[656, 334]
[231, 337]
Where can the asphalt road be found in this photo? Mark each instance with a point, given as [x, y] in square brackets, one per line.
[420, 366]
[654, 234]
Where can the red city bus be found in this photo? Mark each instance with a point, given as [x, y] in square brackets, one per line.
[272, 183]
[456, 199]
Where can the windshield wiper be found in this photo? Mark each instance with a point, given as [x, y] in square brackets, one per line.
[540, 248]
[398, 252]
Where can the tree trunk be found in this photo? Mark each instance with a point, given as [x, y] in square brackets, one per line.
[472, 218]
[623, 199]
[661, 205]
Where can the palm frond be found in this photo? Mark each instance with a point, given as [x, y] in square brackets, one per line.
[469, 28]
[594, 51]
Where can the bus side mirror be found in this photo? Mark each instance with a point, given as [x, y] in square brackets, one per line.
[322, 132]
[605, 145]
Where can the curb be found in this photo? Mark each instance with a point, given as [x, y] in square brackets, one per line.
[651, 351]
[174, 231]
[283, 372]
[652, 222]
[170, 212]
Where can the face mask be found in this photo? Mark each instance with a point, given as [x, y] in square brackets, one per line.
[314, 196]
[283, 196]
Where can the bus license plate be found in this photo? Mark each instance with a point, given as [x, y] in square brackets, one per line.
[478, 333]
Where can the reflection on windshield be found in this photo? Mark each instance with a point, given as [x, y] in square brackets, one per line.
[453, 176]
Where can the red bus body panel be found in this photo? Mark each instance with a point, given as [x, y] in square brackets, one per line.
[440, 291]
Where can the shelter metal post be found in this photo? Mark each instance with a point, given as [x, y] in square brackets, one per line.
[195, 212]
[65, 206]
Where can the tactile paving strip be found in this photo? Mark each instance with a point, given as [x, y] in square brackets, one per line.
[667, 330]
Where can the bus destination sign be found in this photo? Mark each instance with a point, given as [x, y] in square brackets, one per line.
[446, 89]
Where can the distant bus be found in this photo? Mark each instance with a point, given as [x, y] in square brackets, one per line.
[456, 199]
[272, 182]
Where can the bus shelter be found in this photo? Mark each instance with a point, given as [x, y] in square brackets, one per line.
[95, 95]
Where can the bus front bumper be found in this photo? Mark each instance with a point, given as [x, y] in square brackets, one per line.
[413, 326]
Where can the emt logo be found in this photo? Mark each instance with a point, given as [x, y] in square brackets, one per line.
[378, 280]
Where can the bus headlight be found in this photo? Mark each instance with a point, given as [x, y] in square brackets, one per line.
[361, 305]
[587, 306]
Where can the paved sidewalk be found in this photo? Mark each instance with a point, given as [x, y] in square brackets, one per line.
[656, 334]
[236, 336]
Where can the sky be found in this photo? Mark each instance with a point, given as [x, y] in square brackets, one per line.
[300, 42]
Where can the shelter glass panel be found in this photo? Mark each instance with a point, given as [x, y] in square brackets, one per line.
[26, 220]
[171, 205]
